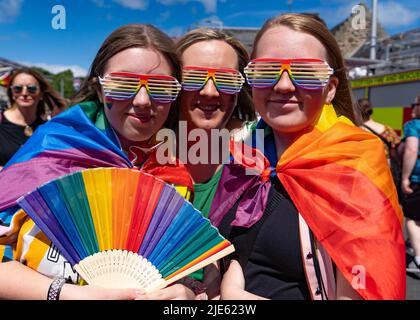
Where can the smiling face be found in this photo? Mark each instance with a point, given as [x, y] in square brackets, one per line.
[23, 98]
[285, 107]
[139, 118]
[208, 108]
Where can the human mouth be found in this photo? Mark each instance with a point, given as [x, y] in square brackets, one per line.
[284, 101]
[25, 99]
[207, 108]
[142, 117]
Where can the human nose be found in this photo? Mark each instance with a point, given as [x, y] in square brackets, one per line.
[24, 90]
[284, 84]
[209, 89]
[142, 98]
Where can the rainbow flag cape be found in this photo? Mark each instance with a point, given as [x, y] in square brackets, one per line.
[338, 178]
[5, 79]
[77, 139]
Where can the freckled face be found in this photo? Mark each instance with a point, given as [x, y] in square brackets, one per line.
[24, 98]
[285, 107]
[208, 108]
[138, 118]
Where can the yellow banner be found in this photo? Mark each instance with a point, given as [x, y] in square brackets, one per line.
[407, 76]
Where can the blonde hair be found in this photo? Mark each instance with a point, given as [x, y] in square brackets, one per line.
[245, 108]
[342, 101]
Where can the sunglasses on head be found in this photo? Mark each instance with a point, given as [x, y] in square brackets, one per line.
[32, 88]
[119, 86]
[228, 81]
[304, 73]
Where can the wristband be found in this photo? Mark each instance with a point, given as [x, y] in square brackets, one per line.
[55, 289]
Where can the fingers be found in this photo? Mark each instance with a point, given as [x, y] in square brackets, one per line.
[91, 292]
[121, 294]
[405, 187]
[174, 292]
[201, 296]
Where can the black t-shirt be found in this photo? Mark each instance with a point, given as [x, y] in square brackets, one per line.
[12, 137]
[274, 267]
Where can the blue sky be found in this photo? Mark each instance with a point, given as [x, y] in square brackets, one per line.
[26, 33]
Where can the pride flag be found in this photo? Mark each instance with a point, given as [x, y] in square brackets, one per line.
[338, 178]
[77, 139]
[5, 79]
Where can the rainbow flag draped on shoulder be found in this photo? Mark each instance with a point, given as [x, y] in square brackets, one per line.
[77, 139]
[338, 178]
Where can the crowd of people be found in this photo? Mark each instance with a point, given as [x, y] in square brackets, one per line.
[329, 189]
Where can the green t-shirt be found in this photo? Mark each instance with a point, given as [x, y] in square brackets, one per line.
[204, 193]
[203, 197]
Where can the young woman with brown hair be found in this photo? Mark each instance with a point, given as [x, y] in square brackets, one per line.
[214, 97]
[110, 126]
[319, 219]
[32, 99]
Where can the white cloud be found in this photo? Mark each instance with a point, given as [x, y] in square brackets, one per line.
[210, 6]
[392, 14]
[99, 3]
[129, 4]
[334, 15]
[133, 4]
[175, 31]
[9, 9]
[254, 14]
[163, 16]
[57, 68]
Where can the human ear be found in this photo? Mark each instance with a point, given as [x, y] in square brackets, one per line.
[98, 88]
[331, 89]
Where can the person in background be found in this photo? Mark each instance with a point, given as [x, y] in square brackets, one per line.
[31, 98]
[384, 132]
[410, 184]
[388, 136]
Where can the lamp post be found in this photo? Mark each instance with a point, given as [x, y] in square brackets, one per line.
[373, 35]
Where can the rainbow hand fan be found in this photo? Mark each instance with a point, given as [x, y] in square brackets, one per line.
[122, 228]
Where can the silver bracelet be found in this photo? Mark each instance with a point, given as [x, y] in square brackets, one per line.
[55, 288]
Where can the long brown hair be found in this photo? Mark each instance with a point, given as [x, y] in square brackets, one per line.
[308, 24]
[245, 108]
[126, 37]
[51, 99]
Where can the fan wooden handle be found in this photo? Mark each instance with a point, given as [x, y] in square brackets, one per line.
[226, 251]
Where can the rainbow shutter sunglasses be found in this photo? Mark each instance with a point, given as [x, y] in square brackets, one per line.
[228, 81]
[119, 86]
[304, 73]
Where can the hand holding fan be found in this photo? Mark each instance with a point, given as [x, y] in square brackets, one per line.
[122, 228]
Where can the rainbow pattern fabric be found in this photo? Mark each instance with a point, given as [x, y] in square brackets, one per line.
[77, 139]
[338, 178]
[5, 79]
[109, 212]
[305, 73]
[228, 81]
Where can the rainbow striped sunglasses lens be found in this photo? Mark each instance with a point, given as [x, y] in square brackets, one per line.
[118, 86]
[305, 73]
[228, 81]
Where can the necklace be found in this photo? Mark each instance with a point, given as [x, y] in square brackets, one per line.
[28, 131]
